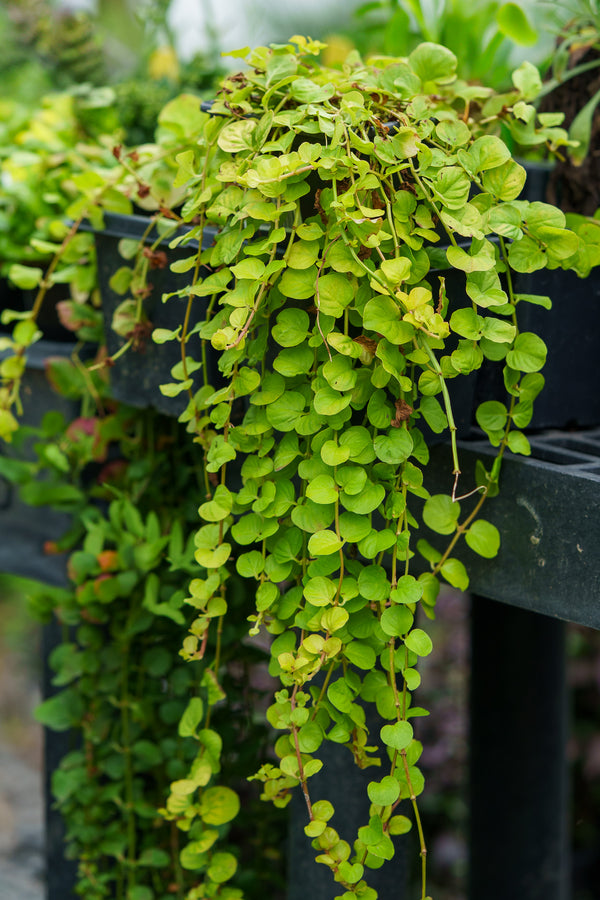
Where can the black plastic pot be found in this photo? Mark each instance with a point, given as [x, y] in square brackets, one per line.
[137, 374]
[571, 331]
[48, 320]
[24, 530]
[10, 297]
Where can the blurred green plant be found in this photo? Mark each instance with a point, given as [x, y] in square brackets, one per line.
[129, 46]
[44, 48]
[481, 33]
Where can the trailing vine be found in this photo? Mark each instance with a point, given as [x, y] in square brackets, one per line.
[354, 239]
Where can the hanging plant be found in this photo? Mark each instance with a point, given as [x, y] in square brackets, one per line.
[353, 238]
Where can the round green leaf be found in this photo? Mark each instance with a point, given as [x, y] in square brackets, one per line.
[322, 489]
[396, 620]
[320, 591]
[298, 284]
[360, 655]
[432, 62]
[488, 152]
[383, 315]
[283, 413]
[407, 590]
[219, 507]
[340, 373]
[441, 513]
[491, 415]
[222, 867]
[292, 327]
[303, 254]
[384, 792]
[394, 447]
[506, 181]
[322, 543]
[483, 538]
[419, 642]
[191, 718]
[371, 496]
[399, 825]
[335, 292]
[353, 527]
[312, 517]
[455, 574]
[398, 736]
[328, 402]
[236, 136]
[310, 737]
[333, 454]
[219, 805]
[518, 443]
[335, 618]
[528, 354]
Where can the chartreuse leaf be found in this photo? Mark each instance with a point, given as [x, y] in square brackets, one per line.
[299, 284]
[483, 538]
[505, 181]
[399, 825]
[528, 354]
[432, 62]
[397, 736]
[394, 447]
[407, 590]
[480, 258]
[384, 792]
[219, 507]
[518, 443]
[419, 642]
[361, 655]
[292, 327]
[441, 513]
[396, 620]
[25, 277]
[237, 135]
[492, 417]
[383, 315]
[283, 413]
[320, 591]
[222, 867]
[334, 618]
[455, 574]
[218, 805]
[322, 543]
[191, 718]
[487, 152]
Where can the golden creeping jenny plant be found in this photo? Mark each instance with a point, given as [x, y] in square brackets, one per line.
[330, 195]
[328, 211]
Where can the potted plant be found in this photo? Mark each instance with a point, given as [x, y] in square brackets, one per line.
[349, 244]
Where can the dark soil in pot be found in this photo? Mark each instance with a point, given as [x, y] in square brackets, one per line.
[136, 375]
[576, 188]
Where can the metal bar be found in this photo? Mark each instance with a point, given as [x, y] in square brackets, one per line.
[549, 518]
[518, 773]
